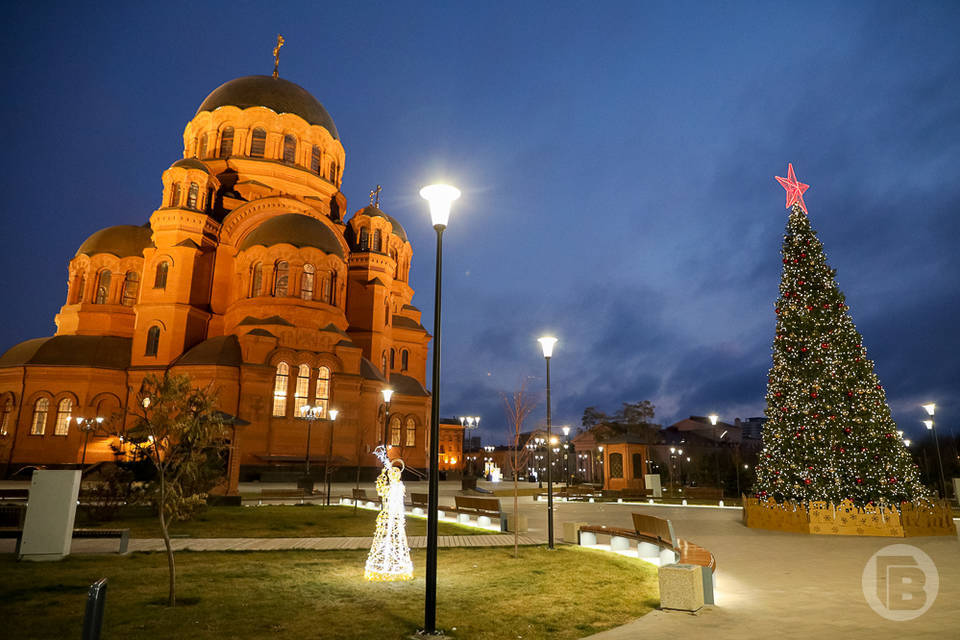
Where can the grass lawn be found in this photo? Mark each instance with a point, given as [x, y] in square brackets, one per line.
[483, 594]
[313, 521]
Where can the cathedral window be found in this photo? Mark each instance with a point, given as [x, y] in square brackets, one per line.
[192, 195]
[103, 288]
[5, 420]
[40, 409]
[289, 149]
[325, 293]
[226, 143]
[395, 431]
[153, 341]
[364, 240]
[303, 389]
[131, 286]
[160, 278]
[256, 280]
[393, 359]
[81, 286]
[175, 195]
[404, 360]
[333, 172]
[306, 283]
[333, 288]
[202, 152]
[64, 412]
[280, 390]
[383, 362]
[258, 143]
[315, 160]
[411, 432]
[377, 241]
[322, 393]
[280, 277]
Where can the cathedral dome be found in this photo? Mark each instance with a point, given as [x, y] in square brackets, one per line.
[295, 229]
[375, 212]
[123, 241]
[276, 94]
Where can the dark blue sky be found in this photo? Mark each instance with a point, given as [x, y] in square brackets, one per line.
[616, 162]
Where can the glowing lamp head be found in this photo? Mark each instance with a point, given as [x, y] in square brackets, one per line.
[387, 394]
[305, 409]
[928, 424]
[713, 419]
[547, 343]
[146, 403]
[673, 449]
[906, 442]
[600, 449]
[99, 420]
[79, 419]
[566, 431]
[440, 197]
[333, 414]
[930, 408]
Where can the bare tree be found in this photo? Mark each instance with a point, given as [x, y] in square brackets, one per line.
[518, 406]
[361, 447]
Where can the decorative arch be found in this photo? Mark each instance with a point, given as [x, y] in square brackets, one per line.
[41, 402]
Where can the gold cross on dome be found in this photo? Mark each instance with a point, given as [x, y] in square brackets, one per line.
[276, 56]
[375, 197]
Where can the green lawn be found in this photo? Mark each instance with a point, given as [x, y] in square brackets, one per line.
[292, 521]
[483, 594]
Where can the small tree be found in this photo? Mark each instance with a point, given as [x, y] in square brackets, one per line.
[518, 406]
[179, 430]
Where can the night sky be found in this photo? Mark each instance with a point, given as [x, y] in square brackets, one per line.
[616, 162]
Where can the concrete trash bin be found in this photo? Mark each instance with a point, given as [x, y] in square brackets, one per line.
[570, 531]
[681, 587]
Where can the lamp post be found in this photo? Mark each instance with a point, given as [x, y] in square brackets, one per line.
[440, 197]
[387, 394]
[566, 454]
[327, 471]
[713, 420]
[87, 425]
[468, 423]
[310, 414]
[603, 480]
[547, 343]
[931, 408]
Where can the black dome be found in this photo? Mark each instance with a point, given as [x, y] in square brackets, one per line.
[295, 229]
[373, 212]
[190, 163]
[123, 240]
[277, 94]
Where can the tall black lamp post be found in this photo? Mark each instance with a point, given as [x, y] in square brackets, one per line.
[310, 414]
[327, 471]
[931, 408]
[440, 196]
[547, 343]
[87, 425]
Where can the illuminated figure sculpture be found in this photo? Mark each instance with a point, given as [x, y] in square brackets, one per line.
[389, 557]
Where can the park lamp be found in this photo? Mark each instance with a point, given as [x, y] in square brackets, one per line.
[713, 419]
[387, 394]
[440, 197]
[928, 424]
[566, 431]
[547, 343]
[333, 414]
[930, 408]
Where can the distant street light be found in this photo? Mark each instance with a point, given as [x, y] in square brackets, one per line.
[547, 343]
[87, 425]
[327, 471]
[931, 408]
[387, 394]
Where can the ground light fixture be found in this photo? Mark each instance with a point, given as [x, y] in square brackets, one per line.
[547, 343]
[439, 197]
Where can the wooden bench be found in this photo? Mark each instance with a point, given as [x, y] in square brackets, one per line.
[361, 496]
[122, 534]
[485, 510]
[14, 495]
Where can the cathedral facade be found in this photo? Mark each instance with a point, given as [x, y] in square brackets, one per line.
[249, 278]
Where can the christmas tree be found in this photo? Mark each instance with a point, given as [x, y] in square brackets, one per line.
[829, 434]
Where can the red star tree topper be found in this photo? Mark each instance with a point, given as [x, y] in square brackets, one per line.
[794, 188]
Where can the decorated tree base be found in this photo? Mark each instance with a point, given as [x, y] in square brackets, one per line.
[821, 518]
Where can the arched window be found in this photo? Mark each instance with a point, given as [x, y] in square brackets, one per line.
[404, 360]
[395, 431]
[396, 263]
[616, 465]
[393, 359]
[383, 362]
[303, 388]
[256, 280]
[315, 160]
[377, 240]
[638, 466]
[192, 195]
[333, 288]
[153, 341]
[160, 278]
[226, 143]
[40, 409]
[333, 172]
[306, 282]
[103, 287]
[131, 287]
[280, 390]
[258, 142]
[280, 276]
[81, 289]
[322, 393]
[175, 195]
[411, 432]
[202, 152]
[208, 205]
[364, 239]
[386, 321]
[325, 293]
[64, 412]
[289, 149]
[5, 417]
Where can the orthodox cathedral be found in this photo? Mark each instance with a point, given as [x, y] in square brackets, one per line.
[248, 277]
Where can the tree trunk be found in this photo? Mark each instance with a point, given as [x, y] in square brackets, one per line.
[171, 597]
[516, 512]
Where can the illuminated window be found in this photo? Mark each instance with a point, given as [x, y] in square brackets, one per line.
[64, 411]
[5, 420]
[81, 289]
[153, 341]
[40, 409]
[364, 239]
[395, 431]
[616, 465]
[411, 432]
[226, 143]
[160, 278]
[303, 388]
[131, 286]
[404, 360]
[258, 142]
[377, 240]
[175, 195]
[322, 393]
[280, 277]
[315, 160]
[289, 149]
[192, 195]
[202, 152]
[103, 288]
[256, 280]
[306, 283]
[280, 390]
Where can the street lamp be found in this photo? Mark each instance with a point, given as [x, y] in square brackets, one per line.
[547, 343]
[327, 471]
[713, 420]
[931, 408]
[440, 197]
[310, 414]
[87, 425]
[387, 394]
